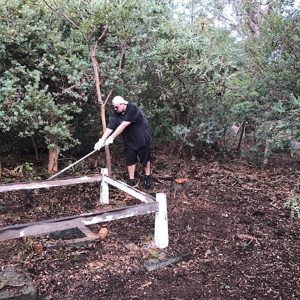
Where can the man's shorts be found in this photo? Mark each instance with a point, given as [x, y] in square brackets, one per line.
[141, 155]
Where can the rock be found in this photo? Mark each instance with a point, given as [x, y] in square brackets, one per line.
[16, 286]
[132, 247]
[67, 234]
[103, 232]
[154, 264]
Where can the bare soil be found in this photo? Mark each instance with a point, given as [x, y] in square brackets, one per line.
[227, 216]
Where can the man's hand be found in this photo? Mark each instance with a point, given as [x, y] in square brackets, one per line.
[99, 144]
[109, 140]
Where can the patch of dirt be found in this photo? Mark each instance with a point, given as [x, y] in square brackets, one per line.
[228, 216]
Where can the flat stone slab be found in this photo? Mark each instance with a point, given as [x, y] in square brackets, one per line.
[16, 286]
[67, 234]
[74, 237]
[154, 264]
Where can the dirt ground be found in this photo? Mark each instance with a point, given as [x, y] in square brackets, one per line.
[226, 218]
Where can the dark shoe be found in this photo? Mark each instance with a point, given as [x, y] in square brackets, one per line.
[132, 182]
[148, 182]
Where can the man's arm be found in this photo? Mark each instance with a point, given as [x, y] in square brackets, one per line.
[108, 137]
[107, 133]
[102, 140]
[120, 129]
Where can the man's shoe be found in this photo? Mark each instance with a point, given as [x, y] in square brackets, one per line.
[133, 182]
[148, 182]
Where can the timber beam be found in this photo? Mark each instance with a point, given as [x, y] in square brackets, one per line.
[48, 183]
[45, 227]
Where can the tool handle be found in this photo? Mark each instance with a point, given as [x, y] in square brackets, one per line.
[73, 164]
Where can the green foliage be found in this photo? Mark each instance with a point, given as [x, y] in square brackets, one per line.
[40, 75]
[264, 92]
[192, 78]
[189, 75]
[160, 120]
[274, 64]
[24, 168]
[293, 203]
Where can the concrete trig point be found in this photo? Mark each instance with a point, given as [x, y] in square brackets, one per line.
[157, 205]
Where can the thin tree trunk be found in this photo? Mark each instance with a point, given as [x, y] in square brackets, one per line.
[92, 53]
[35, 148]
[54, 150]
[53, 160]
[241, 137]
[267, 151]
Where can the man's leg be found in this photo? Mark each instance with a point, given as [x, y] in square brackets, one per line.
[148, 169]
[131, 171]
[148, 177]
[144, 157]
[131, 160]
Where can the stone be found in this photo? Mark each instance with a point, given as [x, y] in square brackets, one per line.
[74, 237]
[15, 285]
[103, 232]
[67, 234]
[154, 264]
[132, 247]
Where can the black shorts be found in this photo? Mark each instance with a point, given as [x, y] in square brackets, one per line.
[141, 155]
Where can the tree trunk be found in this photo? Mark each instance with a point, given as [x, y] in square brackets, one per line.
[267, 151]
[53, 160]
[241, 136]
[256, 16]
[92, 53]
[35, 148]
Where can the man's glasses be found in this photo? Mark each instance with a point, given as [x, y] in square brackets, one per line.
[116, 107]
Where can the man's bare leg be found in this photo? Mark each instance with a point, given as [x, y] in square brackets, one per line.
[148, 169]
[131, 171]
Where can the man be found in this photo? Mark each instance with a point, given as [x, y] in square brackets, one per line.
[129, 121]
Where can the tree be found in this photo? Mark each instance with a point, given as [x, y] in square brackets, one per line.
[190, 67]
[112, 29]
[266, 91]
[40, 76]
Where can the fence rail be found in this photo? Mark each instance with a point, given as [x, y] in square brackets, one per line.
[17, 186]
[157, 205]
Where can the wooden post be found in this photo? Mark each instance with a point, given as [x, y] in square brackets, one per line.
[161, 235]
[104, 190]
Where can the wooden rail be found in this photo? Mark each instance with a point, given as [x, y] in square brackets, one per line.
[157, 205]
[48, 183]
[44, 227]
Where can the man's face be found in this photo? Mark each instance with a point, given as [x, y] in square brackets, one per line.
[119, 108]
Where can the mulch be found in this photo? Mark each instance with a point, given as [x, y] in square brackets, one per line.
[227, 217]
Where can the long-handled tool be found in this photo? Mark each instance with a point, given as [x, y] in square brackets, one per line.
[73, 164]
[29, 192]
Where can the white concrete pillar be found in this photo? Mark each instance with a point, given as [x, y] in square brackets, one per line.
[161, 233]
[104, 189]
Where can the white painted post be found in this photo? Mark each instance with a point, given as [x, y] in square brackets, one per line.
[104, 190]
[161, 234]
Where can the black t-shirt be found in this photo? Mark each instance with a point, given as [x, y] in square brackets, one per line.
[136, 134]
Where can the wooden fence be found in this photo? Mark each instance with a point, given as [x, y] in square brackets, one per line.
[150, 204]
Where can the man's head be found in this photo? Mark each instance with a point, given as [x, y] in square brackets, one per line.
[119, 104]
